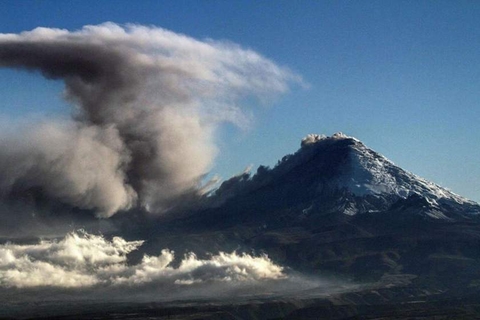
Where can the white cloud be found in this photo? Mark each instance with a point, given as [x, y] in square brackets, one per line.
[82, 260]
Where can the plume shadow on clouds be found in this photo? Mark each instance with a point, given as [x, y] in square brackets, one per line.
[147, 104]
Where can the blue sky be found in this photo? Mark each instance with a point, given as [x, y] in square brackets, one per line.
[402, 76]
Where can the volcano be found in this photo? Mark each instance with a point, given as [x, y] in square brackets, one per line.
[384, 242]
[340, 175]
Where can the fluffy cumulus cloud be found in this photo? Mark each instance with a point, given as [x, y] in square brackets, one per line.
[82, 260]
[147, 103]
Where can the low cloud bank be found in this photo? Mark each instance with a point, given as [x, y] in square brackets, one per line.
[82, 260]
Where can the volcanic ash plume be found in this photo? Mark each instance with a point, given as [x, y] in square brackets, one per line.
[147, 103]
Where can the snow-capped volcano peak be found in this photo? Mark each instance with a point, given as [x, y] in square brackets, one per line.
[339, 173]
[369, 173]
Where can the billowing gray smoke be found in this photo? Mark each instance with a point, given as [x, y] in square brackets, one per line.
[147, 103]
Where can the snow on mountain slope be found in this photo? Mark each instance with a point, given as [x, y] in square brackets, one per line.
[367, 174]
[372, 173]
